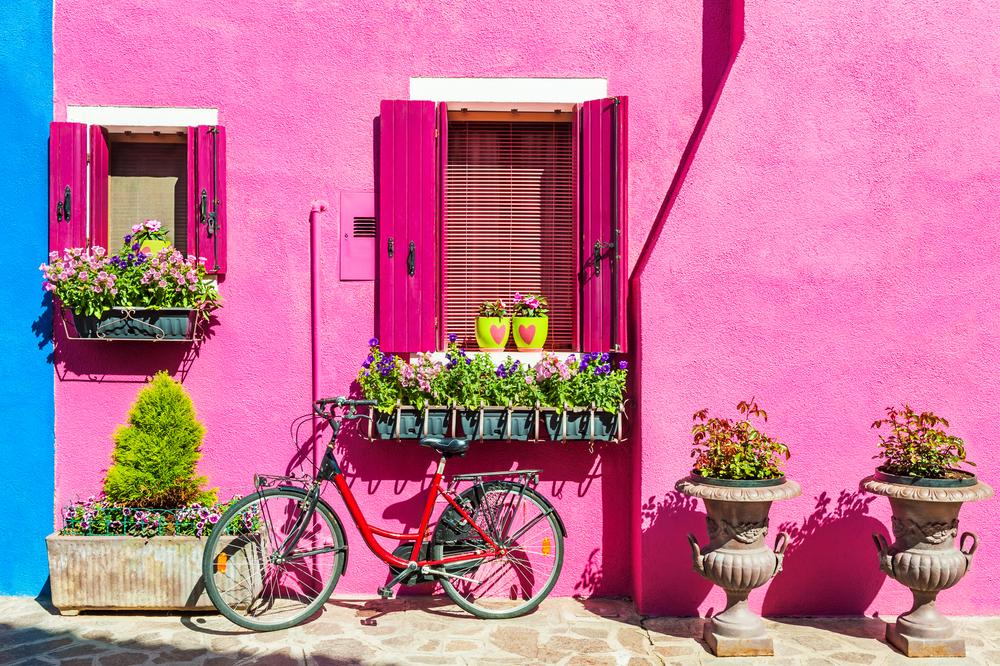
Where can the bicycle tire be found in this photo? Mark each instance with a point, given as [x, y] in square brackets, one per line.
[209, 567]
[461, 596]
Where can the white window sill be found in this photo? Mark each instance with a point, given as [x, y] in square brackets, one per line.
[526, 358]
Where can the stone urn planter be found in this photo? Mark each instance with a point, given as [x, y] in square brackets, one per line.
[127, 572]
[923, 556]
[736, 558]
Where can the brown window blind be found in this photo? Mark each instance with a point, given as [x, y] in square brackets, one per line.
[147, 181]
[509, 222]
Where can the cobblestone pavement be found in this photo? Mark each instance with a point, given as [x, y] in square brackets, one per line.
[430, 631]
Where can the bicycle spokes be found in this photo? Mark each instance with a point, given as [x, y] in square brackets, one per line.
[281, 560]
[525, 563]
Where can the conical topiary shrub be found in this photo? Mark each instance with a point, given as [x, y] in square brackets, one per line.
[154, 463]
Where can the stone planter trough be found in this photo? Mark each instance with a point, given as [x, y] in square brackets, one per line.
[126, 572]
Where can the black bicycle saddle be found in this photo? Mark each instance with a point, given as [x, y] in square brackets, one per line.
[447, 446]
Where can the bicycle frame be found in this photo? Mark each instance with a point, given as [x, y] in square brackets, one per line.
[330, 471]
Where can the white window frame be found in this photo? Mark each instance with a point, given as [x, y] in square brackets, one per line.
[137, 119]
[540, 90]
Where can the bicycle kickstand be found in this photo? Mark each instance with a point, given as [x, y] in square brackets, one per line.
[386, 591]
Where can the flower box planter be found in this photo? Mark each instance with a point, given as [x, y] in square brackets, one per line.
[170, 324]
[499, 423]
[583, 424]
[127, 572]
[410, 423]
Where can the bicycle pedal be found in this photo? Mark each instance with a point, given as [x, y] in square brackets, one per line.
[385, 592]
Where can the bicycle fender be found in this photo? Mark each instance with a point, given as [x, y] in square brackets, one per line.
[340, 524]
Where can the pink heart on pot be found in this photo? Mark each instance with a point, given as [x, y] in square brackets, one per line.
[527, 333]
[497, 332]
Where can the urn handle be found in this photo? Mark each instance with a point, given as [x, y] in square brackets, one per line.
[696, 556]
[780, 544]
[884, 556]
[972, 549]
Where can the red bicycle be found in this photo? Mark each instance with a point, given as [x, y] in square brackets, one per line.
[274, 558]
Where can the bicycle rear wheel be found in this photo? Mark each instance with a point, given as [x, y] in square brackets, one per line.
[526, 526]
[247, 577]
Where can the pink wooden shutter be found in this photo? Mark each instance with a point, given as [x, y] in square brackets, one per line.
[406, 236]
[207, 196]
[604, 223]
[99, 170]
[442, 206]
[67, 186]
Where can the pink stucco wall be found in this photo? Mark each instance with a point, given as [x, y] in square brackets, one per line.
[830, 250]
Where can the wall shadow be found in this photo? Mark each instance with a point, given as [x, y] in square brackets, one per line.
[668, 569]
[830, 565]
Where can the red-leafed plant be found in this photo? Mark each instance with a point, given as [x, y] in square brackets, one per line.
[916, 445]
[727, 449]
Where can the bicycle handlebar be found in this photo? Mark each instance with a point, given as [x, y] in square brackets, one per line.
[340, 401]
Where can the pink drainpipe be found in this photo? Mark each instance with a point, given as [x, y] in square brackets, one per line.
[318, 206]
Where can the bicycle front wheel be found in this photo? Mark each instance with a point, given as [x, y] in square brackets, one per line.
[527, 528]
[268, 564]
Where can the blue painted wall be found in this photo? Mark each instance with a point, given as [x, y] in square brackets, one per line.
[26, 407]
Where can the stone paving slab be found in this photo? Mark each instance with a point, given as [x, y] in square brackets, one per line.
[425, 630]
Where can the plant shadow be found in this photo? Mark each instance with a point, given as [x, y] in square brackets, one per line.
[830, 566]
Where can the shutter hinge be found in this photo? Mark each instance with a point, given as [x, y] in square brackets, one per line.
[437, 132]
[88, 158]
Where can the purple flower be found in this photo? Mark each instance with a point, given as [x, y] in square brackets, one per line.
[373, 342]
[452, 338]
[623, 365]
[135, 246]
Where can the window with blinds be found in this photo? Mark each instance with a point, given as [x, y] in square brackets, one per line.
[509, 221]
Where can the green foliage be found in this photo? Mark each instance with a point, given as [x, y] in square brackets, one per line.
[495, 308]
[156, 454]
[916, 446]
[593, 382]
[471, 381]
[726, 449]
[379, 378]
[98, 517]
[422, 382]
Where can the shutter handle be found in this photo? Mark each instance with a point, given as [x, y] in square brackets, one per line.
[598, 246]
[59, 211]
[65, 205]
[389, 249]
[411, 259]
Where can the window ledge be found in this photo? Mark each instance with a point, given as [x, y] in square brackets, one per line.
[526, 358]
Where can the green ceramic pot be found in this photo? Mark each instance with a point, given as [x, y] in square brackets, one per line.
[530, 333]
[492, 333]
[152, 247]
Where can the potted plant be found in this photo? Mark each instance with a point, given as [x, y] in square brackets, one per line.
[738, 473]
[506, 397]
[920, 476]
[531, 321]
[148, 237]
[138, 545]
[130, 295]
[492, 326]
[422, 388]
[585, 397]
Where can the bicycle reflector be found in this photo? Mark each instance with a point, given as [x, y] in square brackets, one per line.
[547, 547]
[220, 563]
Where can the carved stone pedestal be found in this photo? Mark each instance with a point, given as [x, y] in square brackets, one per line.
[924, 558]
[737, 559]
